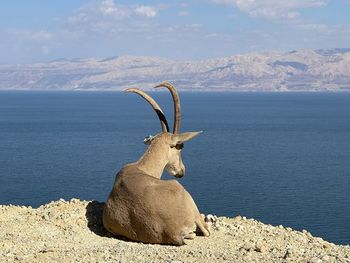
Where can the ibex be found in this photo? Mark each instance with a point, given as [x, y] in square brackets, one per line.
[144, 208]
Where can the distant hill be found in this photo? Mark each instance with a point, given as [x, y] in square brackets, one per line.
[303, 70]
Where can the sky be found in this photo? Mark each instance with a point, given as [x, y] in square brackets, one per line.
[41, 30]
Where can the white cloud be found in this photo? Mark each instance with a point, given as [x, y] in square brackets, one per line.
[100, 11]
[315, 27]
[195, 26]
[108, 16]
[183, 13]
[110, 8]
[105, 27]
[334, 30]
[272, 9]
[31, 35]
[147, 11]
[41, 35]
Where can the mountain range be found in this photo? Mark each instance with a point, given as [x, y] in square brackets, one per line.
[302, 70]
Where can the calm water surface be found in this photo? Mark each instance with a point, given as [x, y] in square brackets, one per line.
[279, 158]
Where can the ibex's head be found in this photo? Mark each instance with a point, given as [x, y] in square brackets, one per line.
[168, 143]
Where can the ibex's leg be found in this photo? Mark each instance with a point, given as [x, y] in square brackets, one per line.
[188, 238]
[190, 235]
[189, 232]
[204, 228]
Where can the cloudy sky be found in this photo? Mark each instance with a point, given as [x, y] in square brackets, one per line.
[41, 30]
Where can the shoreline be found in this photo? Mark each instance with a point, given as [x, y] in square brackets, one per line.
[72, 231]
[201, 90]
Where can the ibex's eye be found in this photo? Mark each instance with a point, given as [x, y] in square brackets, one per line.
[178, 146]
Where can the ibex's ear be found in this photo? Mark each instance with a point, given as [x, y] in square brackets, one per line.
[186, 136]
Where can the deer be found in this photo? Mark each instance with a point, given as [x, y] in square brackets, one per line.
[144, 208]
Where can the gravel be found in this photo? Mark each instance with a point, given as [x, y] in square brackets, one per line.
[71, 231]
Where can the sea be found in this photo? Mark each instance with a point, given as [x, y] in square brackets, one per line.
[281, 158]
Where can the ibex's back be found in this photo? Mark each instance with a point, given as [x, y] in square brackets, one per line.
[150, 210]
[144, 208]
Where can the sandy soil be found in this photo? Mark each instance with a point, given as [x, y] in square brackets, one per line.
[71, 231]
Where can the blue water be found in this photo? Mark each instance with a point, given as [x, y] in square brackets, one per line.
[279, 158]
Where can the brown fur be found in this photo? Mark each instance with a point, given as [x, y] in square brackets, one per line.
[144, 208]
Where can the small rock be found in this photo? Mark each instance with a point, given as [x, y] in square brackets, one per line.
[327, 245]
[315, 260]
[248, 246]
[46, 217]
[288, 254]
[326, 258]
[259, 247]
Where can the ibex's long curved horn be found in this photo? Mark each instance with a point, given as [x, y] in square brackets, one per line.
[155, 106]
[177, 108]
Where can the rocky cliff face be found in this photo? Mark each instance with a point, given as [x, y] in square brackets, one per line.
[72, 232]
[304, 70]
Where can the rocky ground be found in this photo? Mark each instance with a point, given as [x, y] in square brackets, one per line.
[71, 231]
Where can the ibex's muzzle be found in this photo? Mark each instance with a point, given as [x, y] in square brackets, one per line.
[177, 172]
[179, 175]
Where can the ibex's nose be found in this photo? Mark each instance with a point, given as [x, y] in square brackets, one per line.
[180, 174]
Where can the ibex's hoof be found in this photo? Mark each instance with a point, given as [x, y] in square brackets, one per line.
[211, 219]
[191, 235]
